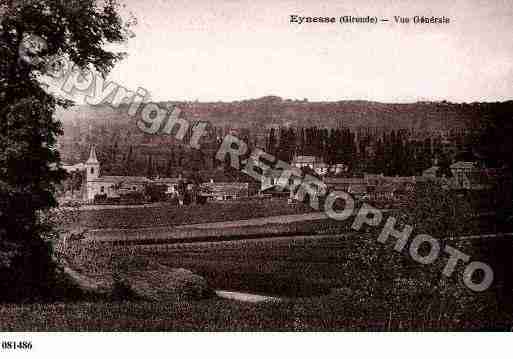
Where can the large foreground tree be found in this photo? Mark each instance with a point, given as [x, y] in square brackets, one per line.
[31, 33]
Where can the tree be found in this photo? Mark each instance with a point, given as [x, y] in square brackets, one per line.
[379, 157]
[169, 166]
[31, 33]
[155, 192]
[128, 162]
[440, 213]
[181, 188]
[271, 142]
[445, 166]
[149, 169]
[287, 145]
[196, 181]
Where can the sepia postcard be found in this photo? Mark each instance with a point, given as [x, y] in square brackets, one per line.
[290, 166]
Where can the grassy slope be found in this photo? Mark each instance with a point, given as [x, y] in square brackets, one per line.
[377, 284]
[333, 313]
[362, 273]
[211, 314]
[305, 267]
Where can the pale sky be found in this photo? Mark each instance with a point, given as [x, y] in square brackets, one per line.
[232, 50]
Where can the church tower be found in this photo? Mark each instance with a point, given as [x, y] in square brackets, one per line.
[92, 165]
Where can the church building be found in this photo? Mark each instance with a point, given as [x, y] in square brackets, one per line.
[111, 186]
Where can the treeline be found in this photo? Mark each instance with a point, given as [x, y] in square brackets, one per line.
[391, 153]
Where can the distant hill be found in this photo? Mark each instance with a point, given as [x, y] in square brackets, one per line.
[114, 132]
[274, 111]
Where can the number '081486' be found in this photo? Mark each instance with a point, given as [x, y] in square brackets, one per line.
[16, 345]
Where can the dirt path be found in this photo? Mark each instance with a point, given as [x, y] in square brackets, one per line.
[288, 218]
[246, 297]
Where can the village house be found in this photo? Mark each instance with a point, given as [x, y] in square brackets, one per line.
[171, 184]
[275, 185]
[223, 191]
[313, 162]
[472, 176]
[109, 186]
[465, 175]
[373, 186]
[431, 172]
[338, 169]
[346, 184]
[114, 187]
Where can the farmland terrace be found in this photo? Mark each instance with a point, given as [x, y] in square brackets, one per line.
[326, 282]
[329, 277]
[171, 215]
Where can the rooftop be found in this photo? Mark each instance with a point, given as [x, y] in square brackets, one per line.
[119, 179]
[463, 165]
[305, 159]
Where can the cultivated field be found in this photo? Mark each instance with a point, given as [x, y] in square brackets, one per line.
[328, 277]
[172, 215]
[326, 282]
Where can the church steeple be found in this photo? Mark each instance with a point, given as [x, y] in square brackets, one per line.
[92, 155]
[92, 165]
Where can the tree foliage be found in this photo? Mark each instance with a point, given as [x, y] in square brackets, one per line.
[33, 33]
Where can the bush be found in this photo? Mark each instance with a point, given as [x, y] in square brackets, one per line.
[166, 284]
[132, 198]
[100, 198]
[128, 275]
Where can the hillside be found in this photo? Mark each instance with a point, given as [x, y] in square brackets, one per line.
[123, 148]
[274, 111]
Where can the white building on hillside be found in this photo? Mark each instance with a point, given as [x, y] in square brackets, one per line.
[111, 186]
[313, 162]
[115, 186]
